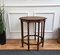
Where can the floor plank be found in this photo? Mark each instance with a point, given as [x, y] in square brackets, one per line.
[14, 44]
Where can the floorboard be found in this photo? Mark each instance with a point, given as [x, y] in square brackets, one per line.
[15, 44]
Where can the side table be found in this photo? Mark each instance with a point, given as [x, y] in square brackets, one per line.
[41, 25]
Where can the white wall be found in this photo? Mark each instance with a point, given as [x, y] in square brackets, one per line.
[59, 22]
[14, 9]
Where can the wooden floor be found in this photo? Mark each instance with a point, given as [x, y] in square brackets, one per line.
[16, 45]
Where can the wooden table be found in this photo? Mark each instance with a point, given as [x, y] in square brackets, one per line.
[33, 19]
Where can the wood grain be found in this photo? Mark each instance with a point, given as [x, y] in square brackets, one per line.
[15, 44]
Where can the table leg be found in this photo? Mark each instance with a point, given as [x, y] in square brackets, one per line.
[28, 36]
[22, 40]
[35, 31]
[43, 33]
[38, 36]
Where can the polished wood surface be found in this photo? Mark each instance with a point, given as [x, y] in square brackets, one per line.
[16, 45]
[34, 18]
